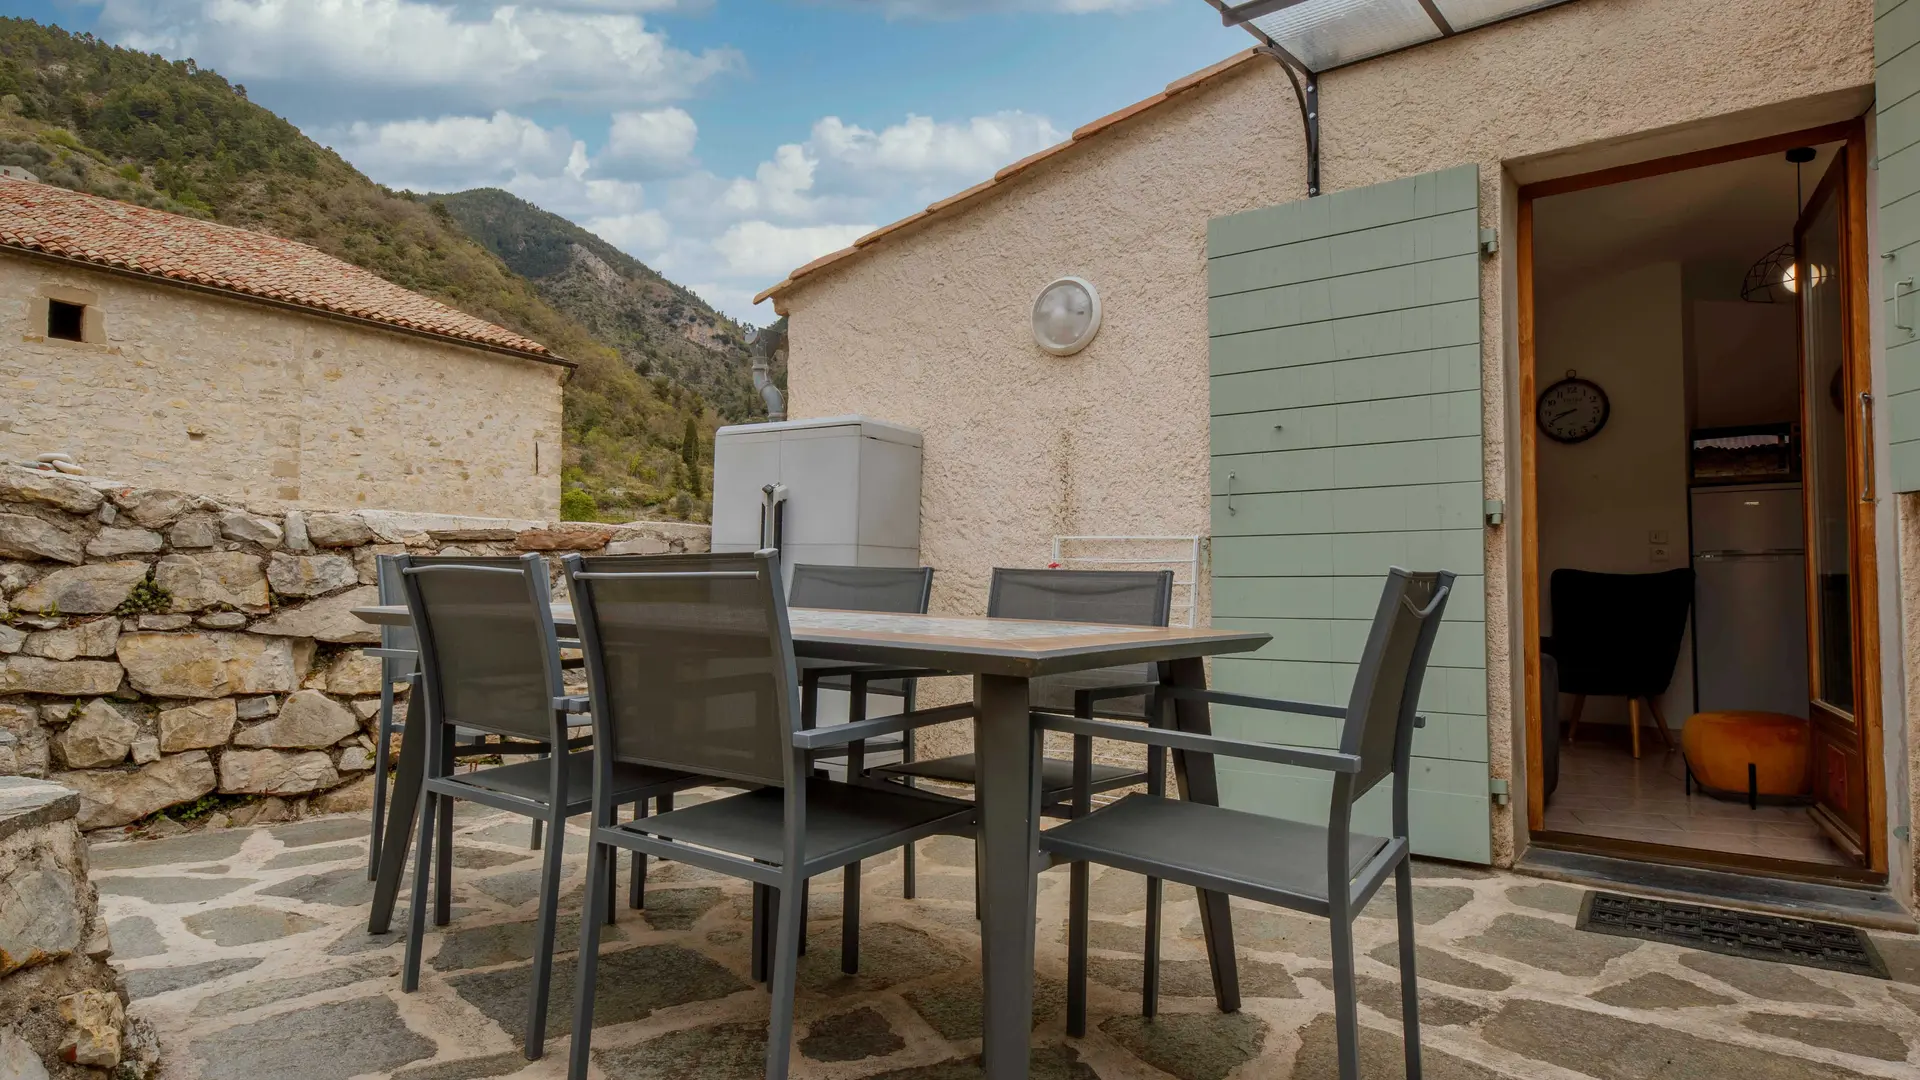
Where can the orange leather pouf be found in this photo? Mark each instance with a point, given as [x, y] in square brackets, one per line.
[1720, 746]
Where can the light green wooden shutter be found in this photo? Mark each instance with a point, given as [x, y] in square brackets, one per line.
[1345, 345]
[1896, 62]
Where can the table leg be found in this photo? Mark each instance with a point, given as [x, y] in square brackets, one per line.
[1008, 791]
[1195, 776]
[403, 805]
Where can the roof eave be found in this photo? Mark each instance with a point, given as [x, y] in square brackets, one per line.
[285, 305]
[940, 209]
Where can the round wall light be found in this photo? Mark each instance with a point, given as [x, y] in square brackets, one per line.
[1066, 316]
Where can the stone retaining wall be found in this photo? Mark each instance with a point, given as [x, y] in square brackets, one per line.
[62, 1008]
[159, 646]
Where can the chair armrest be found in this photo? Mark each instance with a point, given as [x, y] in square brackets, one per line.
[573, 703]
[1305, 756]
[390, 654]
[860, 731]
[1221, 697]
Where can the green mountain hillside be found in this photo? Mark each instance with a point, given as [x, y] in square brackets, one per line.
[660, 328]
[133, 126]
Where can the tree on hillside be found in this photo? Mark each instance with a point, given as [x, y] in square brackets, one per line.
[690, 456]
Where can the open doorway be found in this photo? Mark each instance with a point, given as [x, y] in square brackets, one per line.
[1699, 558]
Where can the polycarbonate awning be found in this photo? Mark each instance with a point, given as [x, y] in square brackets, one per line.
[1320, 35]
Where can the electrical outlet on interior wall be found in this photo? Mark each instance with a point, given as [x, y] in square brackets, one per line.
[1659, 553]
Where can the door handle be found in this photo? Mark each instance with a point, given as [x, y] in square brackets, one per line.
[1866, 447]
[1230, 509]
[1902, 288]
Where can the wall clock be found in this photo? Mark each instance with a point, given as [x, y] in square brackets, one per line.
[1572, 410]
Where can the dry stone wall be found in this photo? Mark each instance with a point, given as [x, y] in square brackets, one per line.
[158, 647]
[62, 1008]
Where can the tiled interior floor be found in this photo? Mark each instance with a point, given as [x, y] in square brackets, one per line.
[1605, 791]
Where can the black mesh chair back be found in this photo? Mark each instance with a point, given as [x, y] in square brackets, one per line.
[487, 646]
[393, 590]
[1618, 634]
[1386, 688]
[897, 589]
[691, 662]
[1115, 597]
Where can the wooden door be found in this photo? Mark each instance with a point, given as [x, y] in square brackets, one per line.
[1836, 415]
[1346, 438]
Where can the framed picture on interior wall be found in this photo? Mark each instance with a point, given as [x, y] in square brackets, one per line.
[1572, 410]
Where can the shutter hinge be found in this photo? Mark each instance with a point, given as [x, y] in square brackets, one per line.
[1901, 832]
[1489, 241]
[1496, 511]
[1498, 788]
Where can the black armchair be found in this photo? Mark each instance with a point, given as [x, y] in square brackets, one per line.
[1618, 635]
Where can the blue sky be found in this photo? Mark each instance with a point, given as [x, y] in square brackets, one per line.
[721, 141]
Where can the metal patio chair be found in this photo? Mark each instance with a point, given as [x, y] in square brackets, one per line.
[691, 667]
[1327, 870]
[490, 662]
[1118, 597]
[399, 656]
[897, 590]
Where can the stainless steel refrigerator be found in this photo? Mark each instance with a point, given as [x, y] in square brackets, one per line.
[1750, 598]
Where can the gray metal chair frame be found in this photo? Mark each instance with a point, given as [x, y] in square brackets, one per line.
[898, 590]
[1150, 597]
[1329, 870]
[548, 790]
[399, 656]
[790, 826]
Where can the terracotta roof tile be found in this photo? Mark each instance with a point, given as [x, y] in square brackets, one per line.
[1086, 131]
[864, 243]
[1029, 161]
[960, 196]
[1205, 74]
[885, 229]
[87, 228]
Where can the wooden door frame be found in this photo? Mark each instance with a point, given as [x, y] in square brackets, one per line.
[1859, 358]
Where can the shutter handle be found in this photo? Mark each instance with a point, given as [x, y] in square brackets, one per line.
[1902, 288]
[1230, 509]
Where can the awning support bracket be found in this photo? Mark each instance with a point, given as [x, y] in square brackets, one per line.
[1306, 90]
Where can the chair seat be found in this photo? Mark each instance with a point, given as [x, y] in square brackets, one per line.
[841, 818]
[530, 779]
[1273, 859]
[1056, 774]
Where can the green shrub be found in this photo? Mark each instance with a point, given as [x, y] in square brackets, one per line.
[577, 505]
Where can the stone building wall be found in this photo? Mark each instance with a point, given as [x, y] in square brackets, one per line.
[157, 646]
[180, 388]
[62, 1009]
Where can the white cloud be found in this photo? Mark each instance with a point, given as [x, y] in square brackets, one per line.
[958, 9]
[778, 187]
[661, 138]
[485, 55]
[766, 250]
[452, 152]
[640, 234]
[974, 148]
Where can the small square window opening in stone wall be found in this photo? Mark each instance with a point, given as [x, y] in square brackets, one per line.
[64, 320]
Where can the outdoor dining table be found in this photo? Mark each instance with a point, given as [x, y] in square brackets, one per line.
[1001, 655]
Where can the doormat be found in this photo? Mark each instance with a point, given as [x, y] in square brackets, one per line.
[1736, 933]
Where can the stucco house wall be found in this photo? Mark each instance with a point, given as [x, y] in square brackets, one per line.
[181, 389]
[929, 328]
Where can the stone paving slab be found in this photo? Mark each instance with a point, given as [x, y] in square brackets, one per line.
[247, 950]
